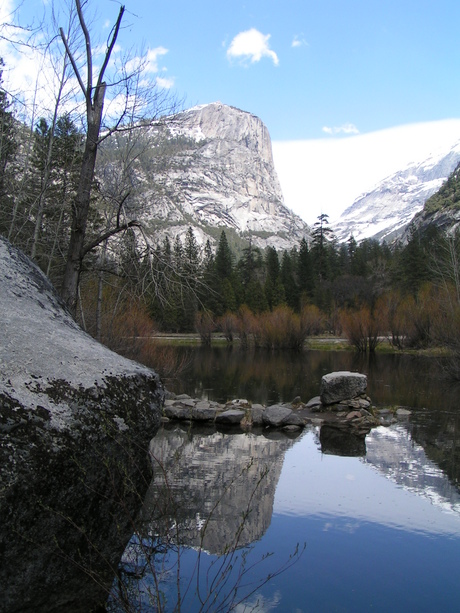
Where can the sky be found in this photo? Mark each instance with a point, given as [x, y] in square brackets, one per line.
[316, 73]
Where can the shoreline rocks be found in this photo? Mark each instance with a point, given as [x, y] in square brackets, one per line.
[342, 404]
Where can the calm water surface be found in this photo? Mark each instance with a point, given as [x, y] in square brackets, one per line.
[377, 532]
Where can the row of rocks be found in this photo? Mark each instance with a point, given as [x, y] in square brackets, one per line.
[342, 404]
[237, 412]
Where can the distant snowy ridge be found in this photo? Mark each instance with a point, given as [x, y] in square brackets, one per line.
[385, 211]
[331, 175]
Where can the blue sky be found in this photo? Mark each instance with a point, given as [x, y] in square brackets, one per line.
[372, 64]
[311, 70]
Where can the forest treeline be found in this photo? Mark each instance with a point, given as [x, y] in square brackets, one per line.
[129, 285]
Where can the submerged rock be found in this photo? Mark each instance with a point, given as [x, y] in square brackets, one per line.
[75, 423]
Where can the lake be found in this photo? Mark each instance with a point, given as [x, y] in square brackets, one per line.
[228, 511]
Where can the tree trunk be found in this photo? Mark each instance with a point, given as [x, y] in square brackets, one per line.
[81, 205]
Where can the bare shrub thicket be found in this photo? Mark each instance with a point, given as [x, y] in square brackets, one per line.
[205, 326]
[363, 328]
[281, 329]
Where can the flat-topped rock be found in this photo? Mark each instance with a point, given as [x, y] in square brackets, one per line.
[342, 385]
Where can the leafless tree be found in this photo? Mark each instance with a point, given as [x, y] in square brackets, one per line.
[137, 107]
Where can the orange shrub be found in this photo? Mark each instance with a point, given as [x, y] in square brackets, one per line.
[205, 326]
[362, 328]
[246, 325]
[311, 320]
[281, 329]
[228, 325]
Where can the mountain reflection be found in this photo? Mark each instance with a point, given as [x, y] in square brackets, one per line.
[213, 491]
[395, 454]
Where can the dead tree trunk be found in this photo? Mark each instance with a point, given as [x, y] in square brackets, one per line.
[94, 98]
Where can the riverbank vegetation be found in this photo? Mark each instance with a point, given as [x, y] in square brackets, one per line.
[408, 295]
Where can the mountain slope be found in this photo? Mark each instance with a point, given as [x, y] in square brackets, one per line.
[211, 168]
[384, 212]
[442, 209]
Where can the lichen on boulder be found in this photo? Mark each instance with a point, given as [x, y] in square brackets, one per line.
[75, 423]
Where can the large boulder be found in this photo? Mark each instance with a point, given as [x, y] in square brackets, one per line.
[342, 385]
[75, 423]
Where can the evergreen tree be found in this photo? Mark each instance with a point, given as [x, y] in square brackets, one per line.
[289, 282]
[223, 259]
[305, 274]
[250, 264]
[255, 297]
[413, 266]
[191, 254]
[222, 284]
[322, 236]
[274, 290]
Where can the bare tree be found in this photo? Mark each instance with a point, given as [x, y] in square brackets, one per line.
[135, 108]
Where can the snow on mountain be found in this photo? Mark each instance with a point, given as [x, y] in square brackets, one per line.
[387, 209]
[370, 184]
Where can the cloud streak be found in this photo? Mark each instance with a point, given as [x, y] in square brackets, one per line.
[251, 46]
[346, 128]
[298, 41]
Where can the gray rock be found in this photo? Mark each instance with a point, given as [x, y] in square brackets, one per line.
[295, 420]
[77, 420]
[403, 412]
[186, 402]
[342, 385]
[232, 416]
[277, 415]
[257, 413]
[177, 411]
[204, 413]
[314, 404]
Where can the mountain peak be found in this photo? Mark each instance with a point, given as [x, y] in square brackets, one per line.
[218, 174]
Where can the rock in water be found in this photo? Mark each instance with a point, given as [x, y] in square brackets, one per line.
[343, 385]
[75, 423]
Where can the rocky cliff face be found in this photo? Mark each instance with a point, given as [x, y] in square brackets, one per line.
[75, 423]
[386, 211]
[211, 167]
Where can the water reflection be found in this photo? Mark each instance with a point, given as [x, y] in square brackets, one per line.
[221, 374]
[396, 455]
[368, 511]
[225, 484]
[219, 486]
[362, 518]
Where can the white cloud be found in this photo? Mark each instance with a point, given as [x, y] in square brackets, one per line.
[165, 83]
[347, 128]
[251, 46]
[147, 62]
[326, 175]
[152, 58]
[299, 41]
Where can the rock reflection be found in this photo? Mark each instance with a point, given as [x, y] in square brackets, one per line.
[338, 442]
[214, 491]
